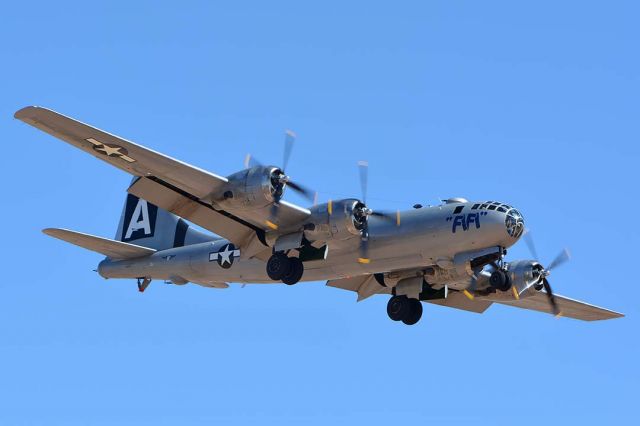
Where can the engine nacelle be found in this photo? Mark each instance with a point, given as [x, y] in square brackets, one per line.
[526, 277]
[252, 188]
[335, 220]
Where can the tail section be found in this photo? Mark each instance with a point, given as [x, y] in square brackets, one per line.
[147, 225]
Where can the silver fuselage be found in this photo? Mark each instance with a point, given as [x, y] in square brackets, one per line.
[426, 236]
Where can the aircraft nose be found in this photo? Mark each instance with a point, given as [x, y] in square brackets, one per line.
[514, 222]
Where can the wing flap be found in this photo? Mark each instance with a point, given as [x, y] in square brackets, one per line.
[568, 307]
[365, 285]
[224, 224]
[121, 153]
[110, 248]
[458, 300]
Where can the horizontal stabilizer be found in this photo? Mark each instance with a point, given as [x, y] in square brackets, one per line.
[110, 248]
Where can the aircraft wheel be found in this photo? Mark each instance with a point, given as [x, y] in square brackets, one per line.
[499, 280]
[278, 266]
[398, 307]
[415, 312]
[295, 273]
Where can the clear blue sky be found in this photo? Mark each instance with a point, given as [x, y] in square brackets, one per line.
[535, 105]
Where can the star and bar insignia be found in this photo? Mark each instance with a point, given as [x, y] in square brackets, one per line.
[110, 150]
[225, 256]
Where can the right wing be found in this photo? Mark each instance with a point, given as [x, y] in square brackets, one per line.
[568, 307]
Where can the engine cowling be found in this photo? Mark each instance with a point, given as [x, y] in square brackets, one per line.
[526, 277]
[337, 220]
[256, 187]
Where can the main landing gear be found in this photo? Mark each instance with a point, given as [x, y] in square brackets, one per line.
[500, 280]
[402, 308]
[289, 270]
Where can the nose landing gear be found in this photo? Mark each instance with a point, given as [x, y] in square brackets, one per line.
[402, 308]
[289, 270]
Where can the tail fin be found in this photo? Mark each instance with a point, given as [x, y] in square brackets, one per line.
[148, 225]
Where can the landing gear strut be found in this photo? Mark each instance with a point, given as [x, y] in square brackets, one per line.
[289, 270]
[401, 308]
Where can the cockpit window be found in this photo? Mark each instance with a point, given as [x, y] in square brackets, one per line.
[502, 209]
[475, 206]
[514, 223]
[492, 207]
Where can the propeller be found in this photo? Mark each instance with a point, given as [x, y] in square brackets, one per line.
[280, 180]
[543, 272]
[362, 212]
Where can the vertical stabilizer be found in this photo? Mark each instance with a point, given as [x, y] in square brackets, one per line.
[147, 225]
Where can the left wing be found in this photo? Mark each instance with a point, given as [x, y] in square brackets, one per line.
[121, 153]
[180, 188]
[568, 307]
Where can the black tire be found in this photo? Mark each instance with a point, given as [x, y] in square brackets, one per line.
[415, 312]
[397, 307]
[295, 273]
[278, 266]
[499, 280]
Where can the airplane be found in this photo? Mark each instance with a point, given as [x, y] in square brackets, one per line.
[451, 254]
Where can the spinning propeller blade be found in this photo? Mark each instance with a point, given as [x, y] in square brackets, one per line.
[530, 244]
[280, 179]
[560, 259]
[364, 211]
[289, 139]
[363, 168]
[551, 297]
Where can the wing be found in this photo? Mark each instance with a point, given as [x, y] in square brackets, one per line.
[167, 197]
[365, 285]
[180, 188]
[121, 153]
[568, 307]
[111, 248]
